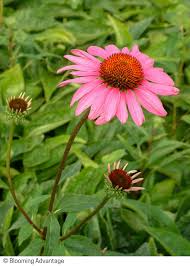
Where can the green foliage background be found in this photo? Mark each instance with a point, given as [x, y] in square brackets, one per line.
[34, 36]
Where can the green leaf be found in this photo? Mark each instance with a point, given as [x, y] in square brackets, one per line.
[26, 144]
[56, 35]
[85, 160]
[85, 182]
[12, 82]
[139, 28]
[77, 202]
[186, 118]
[48, 120]
[33, 249]
[52, 236]
[81, 245]
[163, 148]
[162, 191]
[151, 215]
[173, 243]
[123, 37]
[4, 208]
[24, 233]
[38, 156]
[114, 156]
[49, 82]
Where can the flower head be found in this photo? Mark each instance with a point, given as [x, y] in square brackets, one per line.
[119, 180]
[18, 106]
[117, 81]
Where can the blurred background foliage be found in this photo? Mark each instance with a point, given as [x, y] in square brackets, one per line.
[34, 36]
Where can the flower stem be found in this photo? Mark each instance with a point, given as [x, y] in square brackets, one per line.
[64, 158]
[11, 186]
[86, 219]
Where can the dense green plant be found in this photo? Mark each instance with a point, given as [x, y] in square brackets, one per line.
[34, 36]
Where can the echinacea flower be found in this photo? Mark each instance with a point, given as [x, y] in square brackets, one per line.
[118, 179]
[18, 106]
[117, 81]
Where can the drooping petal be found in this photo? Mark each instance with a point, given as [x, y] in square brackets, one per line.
[159, 88]
[85, 73]
[84, 54]
[122, 113]
[97, 51]
[87, 100]
[137, 180]
[77, 67]
[134, 108]
[112, 49]
[157, 75]
[97, 108]
[83, 90]
[77, 80]
[82, 61]
[134, 189]
[100, 121]
[150, 102]
[111, 103]
[62, 69]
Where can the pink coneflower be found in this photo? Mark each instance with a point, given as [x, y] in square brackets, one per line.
[116, 81]
[121, 180]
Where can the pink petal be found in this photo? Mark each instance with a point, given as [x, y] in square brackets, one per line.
[83, 90]
[77, 67]
[82, 61]
[85, 73]
[134, 108]
[134, 189]
[62, 69]
[77, 80]
[97, 51]
[122, 113]
[84, 54]
[111, 103]
[97, 107]
[125, 50]
[112, 49]
[150, 102]
[100, 121]
[137, 180]
[157, 75]
[145, 60]
[159, 88]
[87, 100]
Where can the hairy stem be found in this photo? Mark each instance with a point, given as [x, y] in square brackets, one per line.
[86, 219]
[64, 158]
[11, 186]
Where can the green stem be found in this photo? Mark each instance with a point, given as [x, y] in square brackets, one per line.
[65, 155]
[11, 186]
[86, 219]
